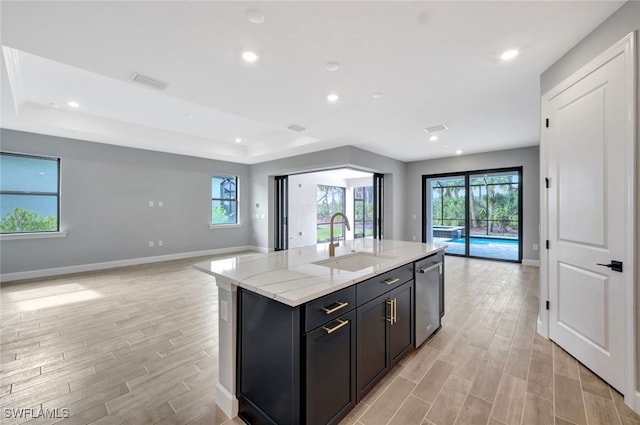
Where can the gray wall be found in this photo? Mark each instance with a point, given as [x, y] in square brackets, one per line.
[105, 191]
[622, 22]
[262, 186]
[528, 158]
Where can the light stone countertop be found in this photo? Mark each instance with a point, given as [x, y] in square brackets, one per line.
[291, 277]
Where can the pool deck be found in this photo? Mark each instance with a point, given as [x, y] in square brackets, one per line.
[491, 250]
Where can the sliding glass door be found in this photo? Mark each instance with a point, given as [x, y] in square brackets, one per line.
[476, 213]
[448, 212]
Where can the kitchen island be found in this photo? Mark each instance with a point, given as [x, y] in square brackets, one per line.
[297, 325]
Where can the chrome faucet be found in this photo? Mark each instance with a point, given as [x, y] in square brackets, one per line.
[332, 246]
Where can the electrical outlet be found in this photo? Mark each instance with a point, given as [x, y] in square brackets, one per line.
[160, 204]
[160, 243]
[535, 246]
[151, 203]
[413, 216]
[414, 237]
[150, 244]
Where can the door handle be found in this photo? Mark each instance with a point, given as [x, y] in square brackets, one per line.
[614, 265]
[428, 269]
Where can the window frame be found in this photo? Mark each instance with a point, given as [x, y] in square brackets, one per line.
[37, 233]
[213, 225]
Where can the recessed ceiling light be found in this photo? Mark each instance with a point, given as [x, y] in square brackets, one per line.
[238, 140]
[332, 66]
[73, 104]
[255, 16]
[433, 138]
[377, 95]
[249, 56]
[509, 54]
[458, 152]
[333, 98]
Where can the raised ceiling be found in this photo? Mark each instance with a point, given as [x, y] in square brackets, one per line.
[428, 63]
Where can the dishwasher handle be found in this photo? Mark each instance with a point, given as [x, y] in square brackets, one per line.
[428, 269]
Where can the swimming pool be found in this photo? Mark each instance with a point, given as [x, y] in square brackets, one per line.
[478, 240]
[498, 248]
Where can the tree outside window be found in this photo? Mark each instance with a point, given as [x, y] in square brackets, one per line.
[224, 200]
[330, 200]
[29, 193]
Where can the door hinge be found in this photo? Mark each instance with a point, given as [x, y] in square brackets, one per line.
[547, 304]
[546, 123]
[546, 182]
[546, 244]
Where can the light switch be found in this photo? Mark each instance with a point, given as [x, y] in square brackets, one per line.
[161, 204]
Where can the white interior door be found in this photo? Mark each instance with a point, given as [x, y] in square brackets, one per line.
[587, 134]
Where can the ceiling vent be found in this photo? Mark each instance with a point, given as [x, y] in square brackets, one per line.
[295, 127]
[436, 128]
[149, 82]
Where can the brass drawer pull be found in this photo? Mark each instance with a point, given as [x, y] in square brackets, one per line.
[335, 328]
[393, 311]
[339, 305]
[391, 280]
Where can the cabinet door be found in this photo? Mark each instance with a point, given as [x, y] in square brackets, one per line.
[330, 368]
[373, 358]
[401, 327]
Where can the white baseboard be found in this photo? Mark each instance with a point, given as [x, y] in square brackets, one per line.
[33, 274]
[532, 263]
[226, 401]
[636, 408]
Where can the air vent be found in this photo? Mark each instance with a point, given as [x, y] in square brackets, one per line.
[295, 127]
[436, 128]
[149, 82]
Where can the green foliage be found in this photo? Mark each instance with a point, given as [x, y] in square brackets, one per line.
[495, 204]
[21, 220]
[219, 214]
[324, 232]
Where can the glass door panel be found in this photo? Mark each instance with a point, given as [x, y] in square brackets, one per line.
[447, 212]
[494, 215]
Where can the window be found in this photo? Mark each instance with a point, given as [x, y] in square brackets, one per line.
[29, 193]
[224, 200]
[363, 211]
[330, 200]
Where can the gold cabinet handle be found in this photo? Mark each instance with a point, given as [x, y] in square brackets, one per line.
[390, 318]
[342, 323]
[391, 280]
[329, 310]
[395, 310]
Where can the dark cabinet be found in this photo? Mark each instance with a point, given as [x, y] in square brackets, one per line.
[385, 334]
[330, 370]
[292, 367]
[372, 336]
[401, 329]
[312, 363]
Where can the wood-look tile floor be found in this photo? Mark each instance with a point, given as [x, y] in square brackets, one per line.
[138, 345]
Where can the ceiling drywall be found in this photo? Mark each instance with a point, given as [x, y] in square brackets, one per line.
[402, 67]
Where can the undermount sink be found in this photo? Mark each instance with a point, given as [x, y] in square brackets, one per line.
[353, 262]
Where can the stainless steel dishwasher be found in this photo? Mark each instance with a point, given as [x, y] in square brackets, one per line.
[429, 278]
